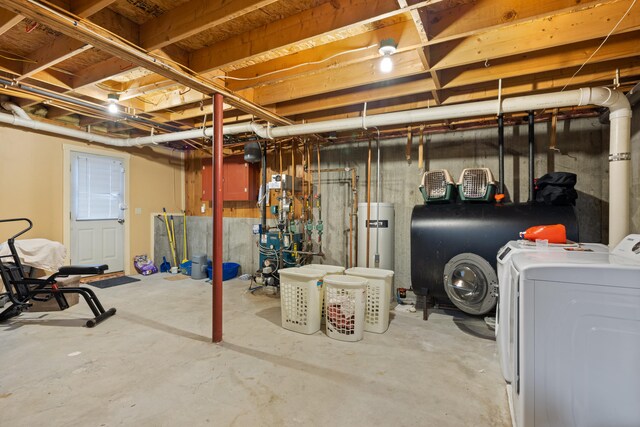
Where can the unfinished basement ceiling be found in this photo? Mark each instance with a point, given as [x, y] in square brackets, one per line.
[305, 60]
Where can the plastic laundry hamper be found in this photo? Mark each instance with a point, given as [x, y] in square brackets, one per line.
[379, 295]
[328, 269]
[300, 299]
[345, 298]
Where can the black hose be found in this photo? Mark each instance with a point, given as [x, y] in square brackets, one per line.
[501, 153]
[263, 206]
[531, 156]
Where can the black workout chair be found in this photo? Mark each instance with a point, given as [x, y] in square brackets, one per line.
[20, 289]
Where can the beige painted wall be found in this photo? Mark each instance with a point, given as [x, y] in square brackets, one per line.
[31, 179]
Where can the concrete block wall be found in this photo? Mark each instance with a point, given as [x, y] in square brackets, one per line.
[239, 244]
[582, 151]
[583, 145]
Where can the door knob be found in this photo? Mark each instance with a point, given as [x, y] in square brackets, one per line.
[121, 221]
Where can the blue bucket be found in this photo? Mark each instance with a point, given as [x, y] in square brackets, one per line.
[229, 270]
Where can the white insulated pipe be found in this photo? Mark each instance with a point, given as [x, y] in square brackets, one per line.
[118, 142]
[619, 151]
[16, 110]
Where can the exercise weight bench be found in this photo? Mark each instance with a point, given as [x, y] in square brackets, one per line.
[20, 289]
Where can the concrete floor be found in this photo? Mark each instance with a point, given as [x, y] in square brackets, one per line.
[153, 365]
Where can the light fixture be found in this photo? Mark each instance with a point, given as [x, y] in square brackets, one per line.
[112, 99]
[387, 48]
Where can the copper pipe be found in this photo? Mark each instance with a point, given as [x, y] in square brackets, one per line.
[354, 204]
[217, 159]
[293, 181]
[421, 150]
[368, 202]
[310, 195]
[319, 170]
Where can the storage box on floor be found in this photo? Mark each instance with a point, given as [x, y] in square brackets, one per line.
[301, 299]
[52, 304]
[379, 296]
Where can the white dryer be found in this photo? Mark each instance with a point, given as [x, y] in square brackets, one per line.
[505, 322]
[577, 341]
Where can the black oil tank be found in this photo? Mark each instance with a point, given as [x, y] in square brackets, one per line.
[440, 232]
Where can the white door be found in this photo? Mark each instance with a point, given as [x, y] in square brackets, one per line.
[97, 210]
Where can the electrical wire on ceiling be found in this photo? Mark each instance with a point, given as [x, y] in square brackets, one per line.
[30, 61]
[298, 65]
[601, 44]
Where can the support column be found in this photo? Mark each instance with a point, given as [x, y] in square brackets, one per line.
[216, 159]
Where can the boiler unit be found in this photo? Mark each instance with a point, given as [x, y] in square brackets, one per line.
[454, 247]
[277, 248]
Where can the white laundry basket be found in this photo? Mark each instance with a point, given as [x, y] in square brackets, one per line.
[328, 269]
[379, 295]
[300, 299]
[345, 298]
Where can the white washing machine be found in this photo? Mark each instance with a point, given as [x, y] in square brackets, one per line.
[577, 341]
[504, 315]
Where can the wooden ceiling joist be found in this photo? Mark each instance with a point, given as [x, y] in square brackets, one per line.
[180, 23]
[534, 35]
[104, 41]
[405, 64]
[476, 17]
[568, 56]
[364, 46]
[8, 20]
[360, 95]
[84, 8]
[290, 33]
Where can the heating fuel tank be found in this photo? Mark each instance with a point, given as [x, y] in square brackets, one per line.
[454, 247]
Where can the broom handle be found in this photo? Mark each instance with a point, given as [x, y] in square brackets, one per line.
[184, 236]
[166, 222]
[174, 248]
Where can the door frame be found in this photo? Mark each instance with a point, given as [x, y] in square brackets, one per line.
[66, 197]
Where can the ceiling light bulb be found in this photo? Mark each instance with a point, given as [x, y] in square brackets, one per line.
[386, 65]
[113, 108]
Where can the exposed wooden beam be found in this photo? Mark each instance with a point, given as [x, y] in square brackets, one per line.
[574, 55]
[61, 49]
[402, 103]
[171, 99]
[405, 64]
[591, 75]
[102, 71]
[535, 35]
[65, 47]
[193, 17]
[84, 8]
[8, 20]
[404, 32]
[368, 93]
[103, 40]
[291, 32]
[199, 111]
[419, 16]
[479, 16]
